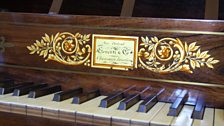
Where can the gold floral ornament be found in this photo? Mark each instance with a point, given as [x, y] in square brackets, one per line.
[65, 48]
[169, 55]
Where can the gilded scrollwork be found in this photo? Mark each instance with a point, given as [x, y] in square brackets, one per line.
[65, 48]
[169, 55]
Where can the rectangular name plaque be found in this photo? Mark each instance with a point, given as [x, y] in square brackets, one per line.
[114, 52]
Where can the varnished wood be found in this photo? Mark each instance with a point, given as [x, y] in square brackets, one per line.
[56, 25]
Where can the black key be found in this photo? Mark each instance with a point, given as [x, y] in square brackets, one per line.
[85, 97]
[27, 89]
[6, 82]
[114, 98]
[178, 104]
[110, 100]
[11, 88]
[149, 102]
[44, 91]
[67, 94]
[129, 102]
[199, 109]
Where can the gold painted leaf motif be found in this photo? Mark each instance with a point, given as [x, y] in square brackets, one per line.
[66, 48]
[169, 55]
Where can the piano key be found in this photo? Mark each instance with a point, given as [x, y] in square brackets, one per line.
[198, 109]
[44, 91]
[219, 117]
[67, 94]
[102, 116]
[112, 99]
[149, 102]
[207, 120]
[129, 102]
[68, 110]
[122, 118]
[55, 110]
[84, 114]
[184, 118]
[11, 88]
[177, 105]
[143, 119]
[23, 104]
[34, 106]
[86, 96]
[25, 90]
[4, 107]
[161, 117]
[11, 103]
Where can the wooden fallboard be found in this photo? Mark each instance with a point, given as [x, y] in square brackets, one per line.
[198, 43]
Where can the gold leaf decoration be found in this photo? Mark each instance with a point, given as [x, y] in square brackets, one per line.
[65, 48]
[169, 55]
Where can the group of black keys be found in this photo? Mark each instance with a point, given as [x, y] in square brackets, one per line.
[126, 101]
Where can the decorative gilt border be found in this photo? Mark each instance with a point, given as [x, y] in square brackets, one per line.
[166, 55]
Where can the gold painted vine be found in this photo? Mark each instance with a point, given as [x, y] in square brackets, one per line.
[166, 55]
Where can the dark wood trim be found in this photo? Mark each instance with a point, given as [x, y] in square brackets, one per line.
[127, 8]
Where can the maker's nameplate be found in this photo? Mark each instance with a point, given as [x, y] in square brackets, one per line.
[114, 52]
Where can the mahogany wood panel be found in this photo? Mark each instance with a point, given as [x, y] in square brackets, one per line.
[20, 31]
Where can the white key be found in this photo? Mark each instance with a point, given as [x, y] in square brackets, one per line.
[184, 117]
[13, 105]
[161, 117]
[67, 105]
[145, 118]
[4, 106]
[219, 117]
[103, 115]
[34, 105]
[207, 120]
[84, 113]
[122, 117]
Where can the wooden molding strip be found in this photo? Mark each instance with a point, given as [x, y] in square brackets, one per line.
[127, 8]
[55, 6]
[212, 9]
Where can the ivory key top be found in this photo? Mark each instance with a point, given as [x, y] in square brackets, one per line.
[219, 117]
[208, 118]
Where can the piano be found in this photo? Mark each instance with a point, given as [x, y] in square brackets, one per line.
[72, 70]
